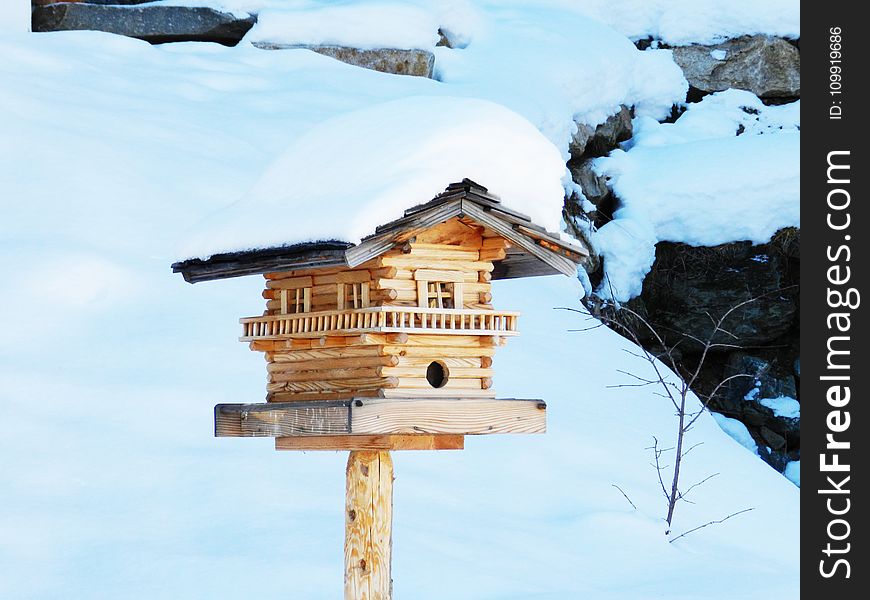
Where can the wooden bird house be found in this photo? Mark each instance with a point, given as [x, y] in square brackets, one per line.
[389, 344]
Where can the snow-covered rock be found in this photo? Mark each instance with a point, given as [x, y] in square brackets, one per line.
[151, 23]
[767, 66]
[598, 141]
[726, 170]
[419, 63]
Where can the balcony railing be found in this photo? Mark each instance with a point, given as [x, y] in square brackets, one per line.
[380, 319]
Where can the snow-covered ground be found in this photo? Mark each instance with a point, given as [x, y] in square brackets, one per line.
[111, 151]
[408, 24]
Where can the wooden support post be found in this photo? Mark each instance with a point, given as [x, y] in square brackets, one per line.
[368, 540]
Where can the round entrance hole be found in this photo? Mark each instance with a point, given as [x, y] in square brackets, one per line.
[436, 374]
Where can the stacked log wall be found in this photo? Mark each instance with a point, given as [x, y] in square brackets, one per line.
[388, 365]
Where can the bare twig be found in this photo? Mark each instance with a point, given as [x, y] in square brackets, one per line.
[694, 485]
[624, 495]
[708, 523]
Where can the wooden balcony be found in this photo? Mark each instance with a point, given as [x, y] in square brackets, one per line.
[380, 319]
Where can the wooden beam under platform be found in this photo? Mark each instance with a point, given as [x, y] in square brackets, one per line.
[395, 423]
[371, 442]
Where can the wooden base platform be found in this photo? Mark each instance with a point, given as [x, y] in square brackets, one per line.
[379, 423]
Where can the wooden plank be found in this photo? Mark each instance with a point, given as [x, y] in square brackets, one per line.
[449, 416]
[559, 263]
[555, 244]
[371, 442]
[408, 261]
[416, 383]
[434, 393]
[422, 293]
[493, 255]
[291, 283]
[440, 351]
[438, 275]
[420, 371]
[325, 375]
[264, 420]
[368, 542]
[441, 251]
[340, 362]
[284, 396]
[394, 284]
[306, 295]
[390, 273]
[495, 243]
[452, 231]
[340, 295]
[454, 415]
[323, 353]
[431, 331]
[475, 362]
[301, 273]
[458, 294]
[324, 385]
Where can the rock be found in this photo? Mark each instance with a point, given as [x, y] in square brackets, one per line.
[777, 460]
[773, 439]
[761, 379]
[602, 139]
[419, 63]
[594, 186]
[767, 66]
[770, 380]
[155, 24]
[103, 2]
[688, 285]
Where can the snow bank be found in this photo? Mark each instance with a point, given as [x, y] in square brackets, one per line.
[793, 472]
[498, 54]
[364, 25]
[15, 17]
[783, 406]
[675, 22]
[737, 430]
[696, 181]
[369, 165]
[682, 22]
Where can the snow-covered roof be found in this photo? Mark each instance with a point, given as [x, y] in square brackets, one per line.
[347, 177]
[536, 251]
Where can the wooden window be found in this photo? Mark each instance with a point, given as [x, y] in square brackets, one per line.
[296, 301]
[353, 295]
[439, 289]
[439, 294]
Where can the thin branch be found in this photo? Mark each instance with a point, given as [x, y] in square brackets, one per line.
[693, 486]
[707, 524]
[657, 453]
[692, 448]
[624, 495]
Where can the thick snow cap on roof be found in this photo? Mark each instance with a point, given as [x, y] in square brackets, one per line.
[349, 174]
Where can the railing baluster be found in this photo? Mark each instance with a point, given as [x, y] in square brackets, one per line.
[411, 318]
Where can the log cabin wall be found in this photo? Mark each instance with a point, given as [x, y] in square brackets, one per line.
[437, 267]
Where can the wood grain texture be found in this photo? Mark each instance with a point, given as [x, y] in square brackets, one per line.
[368, 542]
[445, 416]
[264, 420]
[457, 415]
[371, 442]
